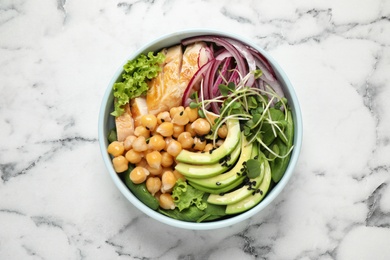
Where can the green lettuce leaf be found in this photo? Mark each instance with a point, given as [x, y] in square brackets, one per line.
[134, 79]
[185, 196]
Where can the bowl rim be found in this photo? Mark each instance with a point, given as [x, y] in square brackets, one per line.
[298, 133]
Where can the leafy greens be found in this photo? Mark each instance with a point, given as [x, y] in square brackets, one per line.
[134, 79]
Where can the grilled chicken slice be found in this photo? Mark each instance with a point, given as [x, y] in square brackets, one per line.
[166, 90]
[138, 109]
[194, 57]
[124, 124]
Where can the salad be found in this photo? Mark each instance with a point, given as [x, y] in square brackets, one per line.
[202, 128]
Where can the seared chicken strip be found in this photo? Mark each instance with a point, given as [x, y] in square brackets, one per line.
[138, 109]
[124, 124]
[166, 90]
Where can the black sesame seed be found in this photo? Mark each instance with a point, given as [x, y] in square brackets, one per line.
[162, 120]
[181, 113]
[218, 183]
[193, 145]
[256, 157]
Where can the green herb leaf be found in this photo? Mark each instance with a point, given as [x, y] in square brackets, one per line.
[252, 102]
[224, 90]
[247, 130]
[201, 113]
[231, 86]
[194, 105]
[279, 104]
[258, 73]
[253, 168]
[236, 105]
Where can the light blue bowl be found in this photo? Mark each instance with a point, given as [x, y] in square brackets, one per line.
[106, 122]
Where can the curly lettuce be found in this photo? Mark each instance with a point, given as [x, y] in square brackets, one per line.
[134, 79]
[185, 196]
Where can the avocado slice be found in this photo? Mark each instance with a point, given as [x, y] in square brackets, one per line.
[252, 200]
[218, 191]
[231, 176]
[231, 141]
[250, 187]
[209, 170]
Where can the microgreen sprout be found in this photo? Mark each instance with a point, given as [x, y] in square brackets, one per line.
[262, 112]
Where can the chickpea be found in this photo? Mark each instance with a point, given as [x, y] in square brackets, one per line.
[142, 131]
[175, 110]
[154, 171]
[199, 144]
[166, 201]
[115, 148]
[208, 147]
[177, 130]
[149, 121]
[133, 156]
[165, 129]
[139, 144]
[222, 131]
[166, 159]
[157, 195]
[186, 140]
[188, 128]
[120, 163]
[138, 175]
[178, 175]
[156, 142]
[174, 148]
[128, 143]
[154, 159]
[192, 113]
[142, 163]
[168, 180]
[201, 126]
[163, 117]
[181, 118]
[167, 141]
[153, 185]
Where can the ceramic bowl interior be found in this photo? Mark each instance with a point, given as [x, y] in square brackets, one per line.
[106, 122]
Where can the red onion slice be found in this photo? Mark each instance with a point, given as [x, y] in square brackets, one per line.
[221, 41]
[248, 57]
[195, 80]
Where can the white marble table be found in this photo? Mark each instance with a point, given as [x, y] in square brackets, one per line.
[57, 200]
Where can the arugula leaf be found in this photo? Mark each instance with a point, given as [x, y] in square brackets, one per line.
[134, 78]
